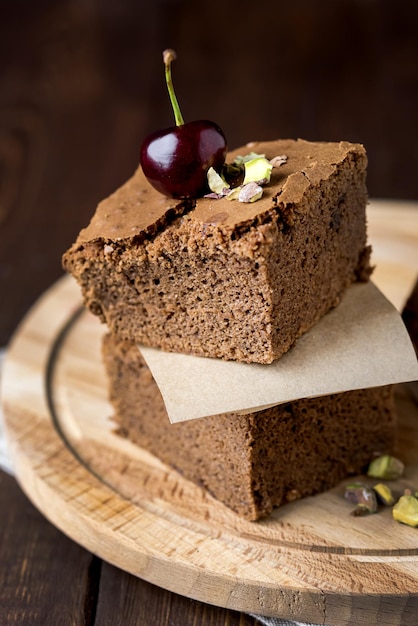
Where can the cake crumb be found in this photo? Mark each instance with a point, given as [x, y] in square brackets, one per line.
[292, 495]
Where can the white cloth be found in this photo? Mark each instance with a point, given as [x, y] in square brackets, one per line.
[6, 465]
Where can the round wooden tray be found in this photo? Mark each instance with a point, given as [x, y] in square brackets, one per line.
[310, 560]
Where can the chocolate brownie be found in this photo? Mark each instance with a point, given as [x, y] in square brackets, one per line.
[258, 461]
[222, 278]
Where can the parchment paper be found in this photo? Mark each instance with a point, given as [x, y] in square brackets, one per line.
[361, 343]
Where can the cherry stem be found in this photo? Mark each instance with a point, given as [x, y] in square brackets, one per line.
[169, 56]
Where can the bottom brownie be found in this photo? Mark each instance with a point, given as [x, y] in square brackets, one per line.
[253, 463]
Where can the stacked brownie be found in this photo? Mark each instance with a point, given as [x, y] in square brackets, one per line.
[237, 281]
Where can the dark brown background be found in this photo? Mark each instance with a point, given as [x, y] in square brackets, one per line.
[81, 83]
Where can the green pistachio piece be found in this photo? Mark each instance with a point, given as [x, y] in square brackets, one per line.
[241, 160]
[250, 192]
[233, 173]
[277, 161]
[363, 496]
[384, 493]
[257, 170]
[351, 491]
[245, 193]
[216, 183]
[361, 511]
[386, 467]
[234, 193]
[406, 511]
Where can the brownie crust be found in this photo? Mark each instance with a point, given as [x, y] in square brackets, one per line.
[252, 463]
[224, 279]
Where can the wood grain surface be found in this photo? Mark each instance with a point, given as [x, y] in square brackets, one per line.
[47, 579]
[310, 560]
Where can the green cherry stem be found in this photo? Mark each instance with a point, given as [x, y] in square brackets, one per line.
[169, 56]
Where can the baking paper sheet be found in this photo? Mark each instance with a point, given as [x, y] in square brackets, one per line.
[361, 343]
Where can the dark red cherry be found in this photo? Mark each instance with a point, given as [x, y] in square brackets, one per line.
[176, 160]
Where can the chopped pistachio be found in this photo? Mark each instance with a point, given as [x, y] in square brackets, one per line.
[363, 496]
[232, 169]
[386, 467]
[215, 181]
[361, 511]
[352, 490]
[384, 493]
[214, 196]
[277, 161]
[250, 192]
[234, 193]
[241, 160]
[257, 170]
[233, 173]
[253, 169]
[245, 193]
[406, 511]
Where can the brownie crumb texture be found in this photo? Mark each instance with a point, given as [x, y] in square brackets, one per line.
[227, 280]
[253, 463]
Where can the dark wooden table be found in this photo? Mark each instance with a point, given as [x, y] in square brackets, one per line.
[80, 85]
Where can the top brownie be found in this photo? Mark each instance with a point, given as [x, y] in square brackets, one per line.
[221, 278]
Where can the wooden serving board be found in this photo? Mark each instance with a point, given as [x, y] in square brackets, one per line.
[310, 560]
